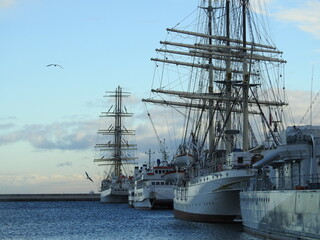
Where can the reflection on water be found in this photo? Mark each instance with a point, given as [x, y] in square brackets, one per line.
[94, 220]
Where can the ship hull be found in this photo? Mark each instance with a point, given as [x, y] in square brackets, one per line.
[154, 197]
[285, 214]
[213, 198]
[110, 196]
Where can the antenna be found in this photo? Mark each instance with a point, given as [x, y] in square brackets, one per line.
[149, 153]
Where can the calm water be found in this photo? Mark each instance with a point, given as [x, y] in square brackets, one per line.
[94, 220]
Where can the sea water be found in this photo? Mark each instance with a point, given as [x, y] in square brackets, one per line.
[95, 221]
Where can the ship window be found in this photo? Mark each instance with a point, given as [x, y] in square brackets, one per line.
[153, 183]
[162, 183]
[157, 183]
[156, 171]
[240, 159]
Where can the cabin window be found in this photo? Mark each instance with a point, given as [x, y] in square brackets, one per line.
[240, 159]
[157, 183]
[156, 171]
[153, 183]
[162, 183]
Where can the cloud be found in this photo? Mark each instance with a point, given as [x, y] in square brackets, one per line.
[306, 16]
[7, 3]
[61, 135]
[299, 102]
[64, 164]
[6, 126]
[38, 183]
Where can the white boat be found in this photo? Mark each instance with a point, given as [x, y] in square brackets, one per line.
[151, 190]
[116, 152]
[183, 160]
[282, 201]
[222, 86]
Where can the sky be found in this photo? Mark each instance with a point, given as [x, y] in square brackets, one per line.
[50, 115]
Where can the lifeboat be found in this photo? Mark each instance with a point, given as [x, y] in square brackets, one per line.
[183, 159]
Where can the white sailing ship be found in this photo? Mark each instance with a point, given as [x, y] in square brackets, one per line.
[224, 89]
[116, 152]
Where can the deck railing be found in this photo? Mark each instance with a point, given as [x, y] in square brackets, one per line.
[294, 182]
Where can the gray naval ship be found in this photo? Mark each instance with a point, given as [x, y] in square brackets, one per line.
[283, 199]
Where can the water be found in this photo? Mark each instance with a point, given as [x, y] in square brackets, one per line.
[94, 220]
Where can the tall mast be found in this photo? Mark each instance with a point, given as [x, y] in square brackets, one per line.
[117, 132]
[119, 145]
[245, 127]
[210, 90]
[228, 83]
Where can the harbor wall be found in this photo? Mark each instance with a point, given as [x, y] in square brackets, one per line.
[50, 197]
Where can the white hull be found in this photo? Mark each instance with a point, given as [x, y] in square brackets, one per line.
[114, 194]
[151, 197]
[211, 198]
[282, 214]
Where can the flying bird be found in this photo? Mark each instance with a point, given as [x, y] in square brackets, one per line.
[54, 65]
[88, 177]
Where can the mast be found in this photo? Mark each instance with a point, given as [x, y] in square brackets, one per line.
[119, 145]
[149, 155]
[117, 132]
[245, 87]
[228, 83]
[210, 90]
[231, 66]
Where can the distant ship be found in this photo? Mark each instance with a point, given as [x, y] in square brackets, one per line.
[282, 201]
[222, 86]
[151, 189]
[116, 152]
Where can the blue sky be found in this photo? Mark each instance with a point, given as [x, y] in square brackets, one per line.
[49, 116]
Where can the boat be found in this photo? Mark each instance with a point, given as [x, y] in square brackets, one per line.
[282, 200]
[115, 151]
[151, 190]
[223, 79]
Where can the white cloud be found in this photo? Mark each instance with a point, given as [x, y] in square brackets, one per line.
[61, 135]
[299, 102]
[306, 16]
[7, 3]
[55, 183]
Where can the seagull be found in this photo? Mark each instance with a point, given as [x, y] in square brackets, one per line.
[88, 177]
[54, 65]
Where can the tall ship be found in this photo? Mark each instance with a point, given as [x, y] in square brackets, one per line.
[221, 73]
[115, 151]
[282, 200]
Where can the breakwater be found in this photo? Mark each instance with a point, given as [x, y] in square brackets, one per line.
[50, 197]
